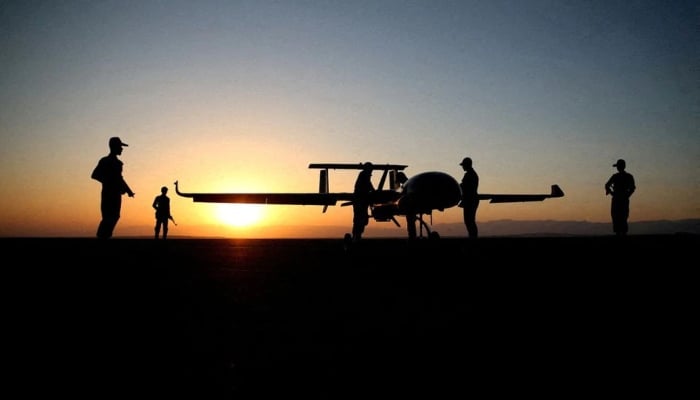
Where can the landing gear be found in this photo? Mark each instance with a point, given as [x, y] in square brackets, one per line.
[347, 242]
[432, 235]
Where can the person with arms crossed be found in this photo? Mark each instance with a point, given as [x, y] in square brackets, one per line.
[620, 186]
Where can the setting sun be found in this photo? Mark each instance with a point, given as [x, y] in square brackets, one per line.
[240, 215]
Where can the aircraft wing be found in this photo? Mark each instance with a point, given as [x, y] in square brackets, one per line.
[516, 198]
[376, 167]
[315, 199]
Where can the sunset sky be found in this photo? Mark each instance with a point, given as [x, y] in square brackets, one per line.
[240, 96]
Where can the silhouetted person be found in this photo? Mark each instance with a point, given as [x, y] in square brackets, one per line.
[620, 186]
[470, 197]
[109, 172]
[411, 218]
[361, 202]
[162, 206]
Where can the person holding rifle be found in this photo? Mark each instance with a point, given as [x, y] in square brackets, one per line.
[162, 206]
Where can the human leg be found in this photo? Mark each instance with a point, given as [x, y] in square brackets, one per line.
[110, 208]
[470, 221]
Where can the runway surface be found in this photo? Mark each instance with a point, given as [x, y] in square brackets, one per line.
[225, 318]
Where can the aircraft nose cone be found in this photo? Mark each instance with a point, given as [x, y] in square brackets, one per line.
[430, 191]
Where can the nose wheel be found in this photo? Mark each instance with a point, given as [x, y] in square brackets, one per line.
[432, 235]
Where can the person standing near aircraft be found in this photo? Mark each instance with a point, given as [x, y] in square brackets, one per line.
[470, 197]
[361, 201]
[109, 172]
[411, 218]
[162, 206]
[620, 186]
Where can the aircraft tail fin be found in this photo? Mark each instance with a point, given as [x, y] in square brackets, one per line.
[323, 184]
[556, 191]
[323, 181]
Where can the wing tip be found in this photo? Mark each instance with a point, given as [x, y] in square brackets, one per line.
[556, 191]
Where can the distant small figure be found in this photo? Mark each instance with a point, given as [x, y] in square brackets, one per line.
[470, 197]
[162, 206]
[109, 172]
[361, 201]
[621, 186]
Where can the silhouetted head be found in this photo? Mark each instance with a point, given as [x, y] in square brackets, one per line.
[620, 164]
[399, 180]
[164, 189]
[367, 166]
[401, 177]
[466, 162]
[116, 144]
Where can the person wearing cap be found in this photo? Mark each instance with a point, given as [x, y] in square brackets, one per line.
[361, 201]
[620, 186]
[109, 172]
[470, 197]
[162, 206]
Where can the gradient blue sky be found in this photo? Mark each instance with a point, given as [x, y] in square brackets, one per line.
[243, 95]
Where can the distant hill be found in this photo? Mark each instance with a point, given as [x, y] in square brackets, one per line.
[500, 228]
[543, 228]
[570, 228]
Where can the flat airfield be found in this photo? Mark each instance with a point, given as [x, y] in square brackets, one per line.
[389, 318]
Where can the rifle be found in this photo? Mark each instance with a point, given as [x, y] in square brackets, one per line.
[170, 217]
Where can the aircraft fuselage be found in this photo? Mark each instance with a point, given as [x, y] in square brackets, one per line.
[428, 191]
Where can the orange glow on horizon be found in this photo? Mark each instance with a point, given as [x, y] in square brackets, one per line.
[240, 215]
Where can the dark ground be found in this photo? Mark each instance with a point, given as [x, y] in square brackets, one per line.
[222, 318]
